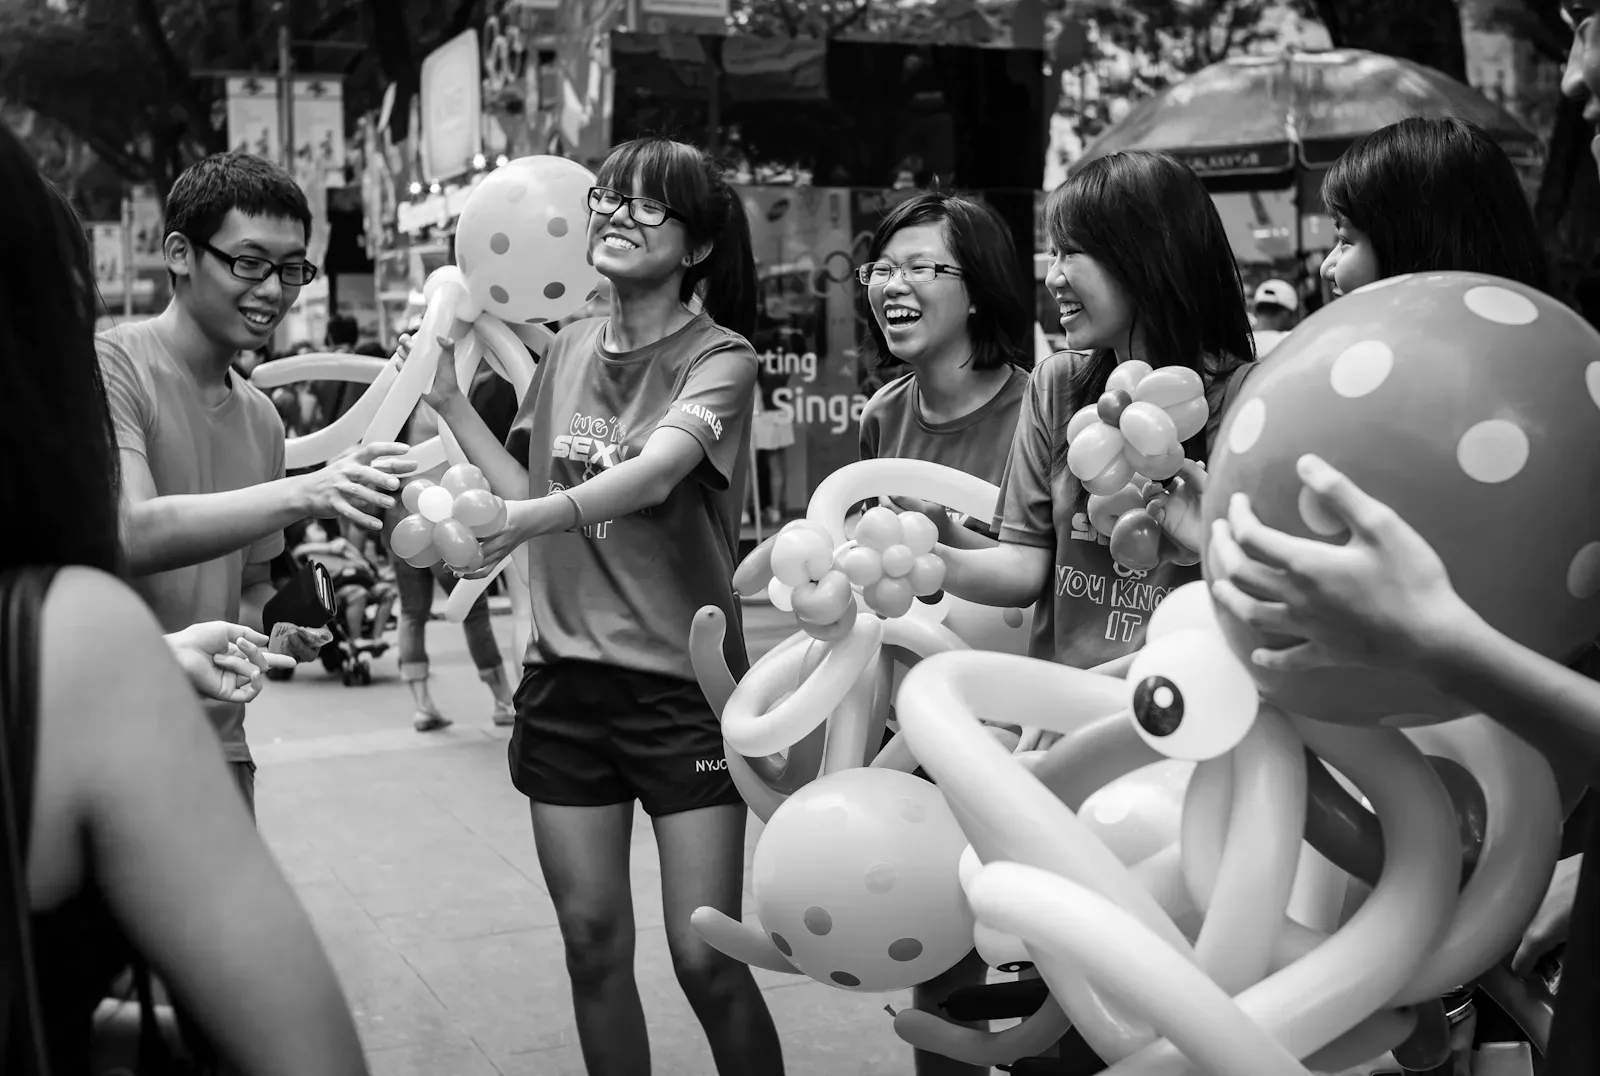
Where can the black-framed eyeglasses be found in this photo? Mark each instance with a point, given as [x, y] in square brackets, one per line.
[249, 267]
[876, 274]
[644, 211]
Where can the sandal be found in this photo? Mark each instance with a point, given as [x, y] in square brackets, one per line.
[430, 721]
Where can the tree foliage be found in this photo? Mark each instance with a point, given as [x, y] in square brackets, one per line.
[128, 76]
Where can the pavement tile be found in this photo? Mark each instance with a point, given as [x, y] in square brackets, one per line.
[458, 1056]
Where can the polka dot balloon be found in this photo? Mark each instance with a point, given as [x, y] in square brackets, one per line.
[521, 240]
[1471, 406]
[856, 883]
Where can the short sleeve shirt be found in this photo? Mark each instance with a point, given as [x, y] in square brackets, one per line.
[192, 448]
[623, 592]
[978, 443]
[1093, 610]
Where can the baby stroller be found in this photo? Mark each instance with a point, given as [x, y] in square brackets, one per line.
[364, 602]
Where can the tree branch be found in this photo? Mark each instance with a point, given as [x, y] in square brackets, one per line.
[853, 17]
[197, 112]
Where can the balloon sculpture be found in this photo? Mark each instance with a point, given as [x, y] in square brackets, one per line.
[523, 262]
[1209, 940]
[447, 519]
[1127, 447]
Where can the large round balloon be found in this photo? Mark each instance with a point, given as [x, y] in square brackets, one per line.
[522, 242]
[855, 881]
[1471, 406]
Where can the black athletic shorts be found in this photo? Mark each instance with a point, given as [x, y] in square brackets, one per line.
[589, 735]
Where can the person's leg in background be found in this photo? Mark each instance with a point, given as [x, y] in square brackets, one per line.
[416, 606]
[772, 503]
[353, 604]
[485, 650]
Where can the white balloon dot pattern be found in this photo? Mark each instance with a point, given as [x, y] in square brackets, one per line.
[912, 811]
[558, 226]
[1583, 574]
[1500, 305]
[498, 294]
[517, 193]
[499, 242]
[782, 944]
[818, 921]
[554, 290]
[844, 978]
[1247, 425]
[1492, 451]
[1316, 517]
[1361, 368]
[1591, 378]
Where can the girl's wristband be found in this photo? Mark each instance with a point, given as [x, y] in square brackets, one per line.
[577, 511]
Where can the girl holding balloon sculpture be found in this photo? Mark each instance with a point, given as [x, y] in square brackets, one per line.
[1143, 273]
[941, 282]
[1429, 195]
[637, 430]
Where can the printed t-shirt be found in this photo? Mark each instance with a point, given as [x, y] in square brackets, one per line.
[190, 448]
[979, 443]
[623, 592]
[1094, 610]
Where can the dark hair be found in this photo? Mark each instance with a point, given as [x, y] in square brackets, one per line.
[1001, 329]
[693, 185]
[1149, 222]
[211, 188]
[343, 331]
[1437, 194]
[62, 482]
[374, 349]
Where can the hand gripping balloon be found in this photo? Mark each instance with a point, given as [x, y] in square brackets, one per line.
[1126, 446]
[1256, 991]
[1378, 384]
[447, 520]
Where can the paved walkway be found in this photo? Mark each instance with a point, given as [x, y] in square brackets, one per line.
[415, 858]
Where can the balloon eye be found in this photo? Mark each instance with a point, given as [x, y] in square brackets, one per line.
[1190, 698]
[1158, 706]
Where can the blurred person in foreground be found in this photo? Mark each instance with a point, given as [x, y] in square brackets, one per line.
[133, 840]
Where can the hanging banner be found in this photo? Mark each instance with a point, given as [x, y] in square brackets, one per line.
[146, 223]
[319, 127]
[583, 60]
[253, 117]
[452, 108]
[107, 245]
[774, 69]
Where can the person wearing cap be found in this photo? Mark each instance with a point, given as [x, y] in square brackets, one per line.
[1276, 309]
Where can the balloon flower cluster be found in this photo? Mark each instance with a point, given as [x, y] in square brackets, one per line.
[447, 519]
[890, 562]
[1126, 448]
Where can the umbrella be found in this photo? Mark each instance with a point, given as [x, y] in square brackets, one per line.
[1262, 122]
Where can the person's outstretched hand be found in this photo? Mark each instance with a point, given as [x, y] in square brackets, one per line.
[1550, 923]
[361, 478]
[223, 661]
[1375, 600]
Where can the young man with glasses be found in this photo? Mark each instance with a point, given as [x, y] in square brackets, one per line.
[205, 497]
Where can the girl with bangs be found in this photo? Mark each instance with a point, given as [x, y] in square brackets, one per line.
[1429, 195]
[627, 462]
[1142, 269]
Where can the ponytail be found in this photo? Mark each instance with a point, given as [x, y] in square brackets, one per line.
[726, 278]
[694, 185]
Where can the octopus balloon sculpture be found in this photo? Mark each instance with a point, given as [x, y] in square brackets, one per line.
[1403, 386]
[522, 262]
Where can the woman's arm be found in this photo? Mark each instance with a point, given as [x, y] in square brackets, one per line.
[139, 796]
[669, 456]
[507, 476]
[1010, 575]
